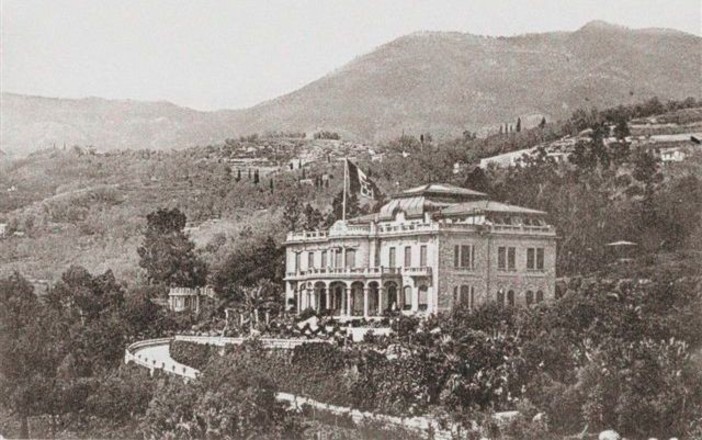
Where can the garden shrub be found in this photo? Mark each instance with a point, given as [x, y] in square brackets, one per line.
[192, 354]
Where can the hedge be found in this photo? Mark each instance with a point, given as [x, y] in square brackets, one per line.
[192, 354]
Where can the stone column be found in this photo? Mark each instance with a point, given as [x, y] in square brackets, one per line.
[431, 304]
[415, 298]
[349, 295]
[365, 302]
[298, 299]
[329, 304]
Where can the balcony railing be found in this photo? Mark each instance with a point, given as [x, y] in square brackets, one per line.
[401, 229]
[358, 272]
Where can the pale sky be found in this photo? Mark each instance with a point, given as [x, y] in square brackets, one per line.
[208, 54]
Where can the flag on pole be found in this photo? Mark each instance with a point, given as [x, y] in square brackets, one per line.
[359, 183]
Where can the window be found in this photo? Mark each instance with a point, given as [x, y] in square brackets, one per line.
[465, 295]
[297, 261]
[391, 257]
[407, 298]
[338, 257]
[408, 256]
[324, 259]
[423, 255]
[510, 298]
[465, 256]
[502, 258]
[423, 298]
[501, 297]
[310, 260]
[535, 258]
[511, 258]
[350, 257]
[540, 258]
[539, 296]
[529, 297]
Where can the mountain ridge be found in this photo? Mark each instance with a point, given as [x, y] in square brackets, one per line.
[426, 81]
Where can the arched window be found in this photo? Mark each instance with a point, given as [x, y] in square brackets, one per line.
[539, 296]
[529, 297]
[407, 298]
[501, 297]
[510, 298]
[392, 296]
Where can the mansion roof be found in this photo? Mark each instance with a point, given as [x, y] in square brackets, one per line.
[440, 199]
[482, 206]
[441, 189]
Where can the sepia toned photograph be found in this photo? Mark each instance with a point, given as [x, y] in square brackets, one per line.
[351, 219]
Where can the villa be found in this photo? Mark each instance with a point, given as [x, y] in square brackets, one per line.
[427, 250]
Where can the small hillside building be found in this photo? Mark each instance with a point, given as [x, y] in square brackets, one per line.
[181, 299]
[427, 250]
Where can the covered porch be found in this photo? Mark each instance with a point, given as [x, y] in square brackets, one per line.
[362, 299]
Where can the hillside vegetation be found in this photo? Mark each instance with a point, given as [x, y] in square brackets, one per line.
[80, 207]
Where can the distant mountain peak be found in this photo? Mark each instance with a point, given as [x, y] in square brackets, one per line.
[601, 25]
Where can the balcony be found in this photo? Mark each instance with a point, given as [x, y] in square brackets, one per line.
[342, 273]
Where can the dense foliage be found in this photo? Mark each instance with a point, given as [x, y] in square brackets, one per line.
[191, 354]
[607, 354]
[230, 401]
[167, 254]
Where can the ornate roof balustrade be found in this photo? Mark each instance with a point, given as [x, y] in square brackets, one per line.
[389, 229]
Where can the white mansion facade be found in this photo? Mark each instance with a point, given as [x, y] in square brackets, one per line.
[428, 249]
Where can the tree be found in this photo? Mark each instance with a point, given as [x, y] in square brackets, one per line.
[353, 208]
[270, 185]
[519, 125]
[167, 255]
[477, 180]
[621, 130]
[238, 175]
[313, 218]
[247, 265]
[292, 213]
[32, 352]
[542, 124]
[255, 177]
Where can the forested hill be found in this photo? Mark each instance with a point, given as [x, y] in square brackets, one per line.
[442, 83]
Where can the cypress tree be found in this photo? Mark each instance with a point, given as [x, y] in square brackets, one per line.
[255, 177]
[519, 125]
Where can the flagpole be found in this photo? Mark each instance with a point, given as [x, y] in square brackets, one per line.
[346, 169]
